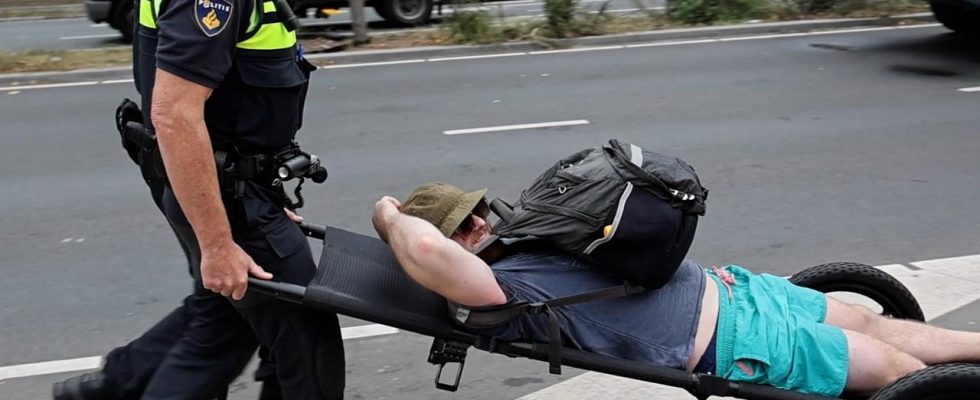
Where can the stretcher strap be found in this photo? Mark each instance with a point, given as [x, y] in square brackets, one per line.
[554, 343]
[488, 317]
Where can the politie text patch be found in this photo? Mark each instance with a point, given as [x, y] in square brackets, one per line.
[212, 15]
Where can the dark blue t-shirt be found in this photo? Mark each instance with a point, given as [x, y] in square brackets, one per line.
[655, 327]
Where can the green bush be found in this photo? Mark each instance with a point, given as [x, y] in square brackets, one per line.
[795, 8]
[560, 17]
[711, 11]
[809, 7]
[471, 27]
[594, 23]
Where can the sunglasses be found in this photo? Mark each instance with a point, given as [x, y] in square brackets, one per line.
[481, 210]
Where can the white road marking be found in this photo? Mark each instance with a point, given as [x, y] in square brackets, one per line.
[970, 89]
[363, 331]
[674, 43]
[933, 25]
[761, 37]
[855, 30]
[112, 81]
[517, 127]
[476, 57]
[99, 25]
[49, 367]
[109, 35]
[575, 50]
[373, 64]
[940, 286]
[87, 363]
[49, 86]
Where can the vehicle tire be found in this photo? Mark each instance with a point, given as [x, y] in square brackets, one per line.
[895, 299]
[404, 12]
[956, 19]
[124, 19]
[938, 382]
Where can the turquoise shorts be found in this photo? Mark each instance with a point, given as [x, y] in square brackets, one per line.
[771, 332]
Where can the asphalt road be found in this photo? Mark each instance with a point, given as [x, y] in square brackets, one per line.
[80, 33]
[823, 148]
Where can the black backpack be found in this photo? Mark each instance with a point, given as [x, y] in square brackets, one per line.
[626, 209]
[629, 210]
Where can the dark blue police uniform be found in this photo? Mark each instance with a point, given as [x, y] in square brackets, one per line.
[240, 49]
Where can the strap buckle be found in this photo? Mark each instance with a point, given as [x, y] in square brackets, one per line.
[444, 352]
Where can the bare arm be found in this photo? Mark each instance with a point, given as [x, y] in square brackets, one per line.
[435, 262]
[178, 116]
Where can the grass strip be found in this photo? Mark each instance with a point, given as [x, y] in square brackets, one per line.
[63, 60]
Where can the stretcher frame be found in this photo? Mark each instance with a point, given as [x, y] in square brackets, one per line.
[358, 276]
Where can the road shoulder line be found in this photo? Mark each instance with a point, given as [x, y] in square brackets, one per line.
[630, 40]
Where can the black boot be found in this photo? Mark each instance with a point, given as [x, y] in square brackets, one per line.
[271, 390]
[87, 386]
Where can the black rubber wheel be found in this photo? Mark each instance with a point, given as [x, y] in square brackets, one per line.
[938, 382]
[124, 19]
[404, 12]
[956, 19]
[895, 299]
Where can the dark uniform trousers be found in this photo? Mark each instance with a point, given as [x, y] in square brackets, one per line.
[197, 349]
[205, 343]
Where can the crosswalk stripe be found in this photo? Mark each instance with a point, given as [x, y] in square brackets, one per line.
[940, 286]
[89, 363]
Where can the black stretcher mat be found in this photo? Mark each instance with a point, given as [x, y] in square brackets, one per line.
[359, 276]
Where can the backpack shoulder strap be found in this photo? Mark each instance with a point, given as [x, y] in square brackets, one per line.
[491, 316]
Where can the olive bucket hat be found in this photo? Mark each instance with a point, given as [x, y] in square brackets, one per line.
[444, 205]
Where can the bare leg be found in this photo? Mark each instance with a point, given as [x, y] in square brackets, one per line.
[932, 345]
[872, 364]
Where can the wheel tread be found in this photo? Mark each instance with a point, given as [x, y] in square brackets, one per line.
[862, 279]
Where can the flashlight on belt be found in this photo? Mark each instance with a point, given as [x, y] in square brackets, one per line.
[302, 165]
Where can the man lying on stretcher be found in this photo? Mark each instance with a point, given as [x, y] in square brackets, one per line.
[723, 321]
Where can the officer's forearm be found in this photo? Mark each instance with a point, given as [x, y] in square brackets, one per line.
[178, 116]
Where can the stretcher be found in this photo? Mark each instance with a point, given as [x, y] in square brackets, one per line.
[358, 276]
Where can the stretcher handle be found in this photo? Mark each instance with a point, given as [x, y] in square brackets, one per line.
[279, 290]
[313, 230]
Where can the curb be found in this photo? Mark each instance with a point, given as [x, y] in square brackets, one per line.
[372, 56]
[618, 39]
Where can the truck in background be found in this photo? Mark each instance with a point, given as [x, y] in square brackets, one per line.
[961, 16]
[119, 14]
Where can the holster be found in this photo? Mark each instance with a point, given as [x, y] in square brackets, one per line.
[141, 146]
[233, 168]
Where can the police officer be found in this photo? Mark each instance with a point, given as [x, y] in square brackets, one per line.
[225, 76]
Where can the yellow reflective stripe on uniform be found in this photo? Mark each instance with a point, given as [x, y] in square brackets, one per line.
[147, 18]
[268, 7]
[270, 36]
[149, 11]
[254, 19]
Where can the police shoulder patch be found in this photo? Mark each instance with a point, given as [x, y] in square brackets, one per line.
[212, 15]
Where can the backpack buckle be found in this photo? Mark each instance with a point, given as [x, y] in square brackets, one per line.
[537, 308]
